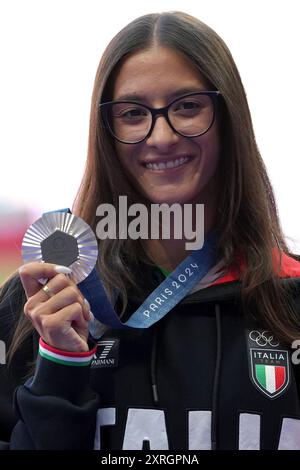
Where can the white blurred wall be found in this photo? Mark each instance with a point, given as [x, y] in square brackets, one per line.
[49, 53]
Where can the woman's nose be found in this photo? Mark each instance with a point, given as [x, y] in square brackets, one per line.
[162, 134]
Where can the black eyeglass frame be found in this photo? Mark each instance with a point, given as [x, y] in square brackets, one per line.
[155, 112]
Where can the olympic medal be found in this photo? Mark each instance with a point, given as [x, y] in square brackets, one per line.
[64, 239]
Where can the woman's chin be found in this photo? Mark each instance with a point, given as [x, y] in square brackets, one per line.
[167, 198]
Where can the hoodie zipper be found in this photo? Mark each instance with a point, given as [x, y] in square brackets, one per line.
[216, 380]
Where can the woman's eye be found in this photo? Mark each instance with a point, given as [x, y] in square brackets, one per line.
[133, 113]
[190, 105]
[186, 105]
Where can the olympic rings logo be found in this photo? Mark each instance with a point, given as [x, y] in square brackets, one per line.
[263, 338]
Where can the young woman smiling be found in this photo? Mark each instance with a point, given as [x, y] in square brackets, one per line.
[169, 124]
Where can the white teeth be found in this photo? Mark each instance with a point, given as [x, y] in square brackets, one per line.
[170, 164]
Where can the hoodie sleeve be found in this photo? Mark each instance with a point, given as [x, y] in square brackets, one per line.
[56, 408]
[12, 299]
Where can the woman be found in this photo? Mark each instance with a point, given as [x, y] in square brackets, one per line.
[215, 373]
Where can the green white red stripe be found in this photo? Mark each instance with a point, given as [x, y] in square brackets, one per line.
[270, 378]
[65, 357]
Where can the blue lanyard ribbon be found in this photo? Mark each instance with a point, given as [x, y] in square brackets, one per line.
[168, 294]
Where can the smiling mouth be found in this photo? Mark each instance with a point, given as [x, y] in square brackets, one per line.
[168, 165]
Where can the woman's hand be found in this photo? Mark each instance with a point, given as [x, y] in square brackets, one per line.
[60, 316]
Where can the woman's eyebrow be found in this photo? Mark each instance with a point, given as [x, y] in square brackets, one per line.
[174, 94]
[129, 97]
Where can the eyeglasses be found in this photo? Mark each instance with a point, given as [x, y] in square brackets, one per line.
[131, 122]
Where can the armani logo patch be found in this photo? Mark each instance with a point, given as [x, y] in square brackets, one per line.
[107, 354]
[269, 363]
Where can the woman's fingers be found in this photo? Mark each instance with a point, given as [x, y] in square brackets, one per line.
[64, 294]
[66, 329]
[57, 310]
[30, 274]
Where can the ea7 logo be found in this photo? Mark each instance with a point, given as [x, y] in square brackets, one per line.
[107, 353]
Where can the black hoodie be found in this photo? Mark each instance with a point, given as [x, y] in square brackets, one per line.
[203, 377]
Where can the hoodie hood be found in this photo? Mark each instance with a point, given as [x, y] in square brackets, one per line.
[224, 284]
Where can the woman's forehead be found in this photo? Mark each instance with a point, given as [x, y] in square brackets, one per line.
[154, 72]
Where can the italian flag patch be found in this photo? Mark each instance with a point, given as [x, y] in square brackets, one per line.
[269, 363]
[270, 371]
[271, 378]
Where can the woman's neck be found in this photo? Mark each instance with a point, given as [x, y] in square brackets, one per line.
[169, 253]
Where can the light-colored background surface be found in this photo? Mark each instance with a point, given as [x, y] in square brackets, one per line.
[49, 53]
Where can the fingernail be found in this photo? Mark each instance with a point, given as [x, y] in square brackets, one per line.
[62, 269]
[88, 309]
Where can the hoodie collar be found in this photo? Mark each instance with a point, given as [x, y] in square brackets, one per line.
[225, 283]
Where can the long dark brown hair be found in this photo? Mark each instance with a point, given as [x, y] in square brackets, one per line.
[247, 216]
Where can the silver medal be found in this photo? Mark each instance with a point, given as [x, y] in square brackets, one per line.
[64, 239]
